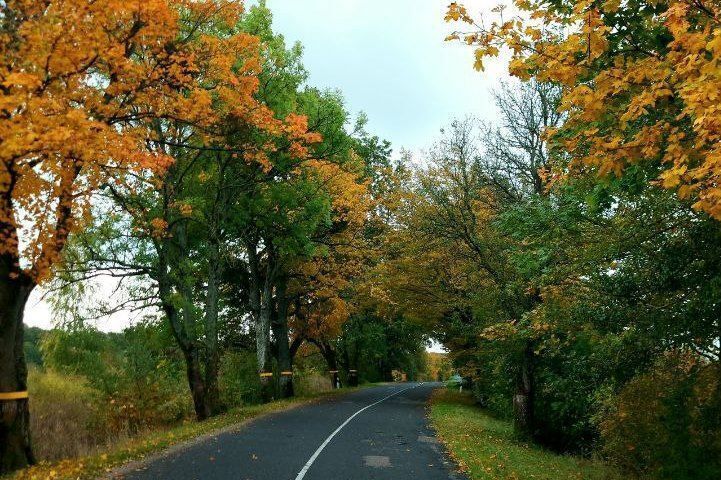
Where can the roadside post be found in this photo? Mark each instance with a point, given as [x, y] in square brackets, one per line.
[334, 379]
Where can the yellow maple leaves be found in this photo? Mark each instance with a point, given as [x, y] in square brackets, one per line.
[457, 12]
[81, 83]
[659, 105]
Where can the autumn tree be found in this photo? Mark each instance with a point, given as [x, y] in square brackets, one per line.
[334, 204]
[639, 82]
[187, 226]
[82, 83]
[636, 79]
[329, 287]
[321, 285]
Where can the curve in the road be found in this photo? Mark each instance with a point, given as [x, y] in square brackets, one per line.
[378, 433]
[309, 463]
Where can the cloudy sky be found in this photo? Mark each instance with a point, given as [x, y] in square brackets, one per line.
[389, 59]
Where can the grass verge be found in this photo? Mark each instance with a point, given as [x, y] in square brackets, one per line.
[485, 448]
[139, 448]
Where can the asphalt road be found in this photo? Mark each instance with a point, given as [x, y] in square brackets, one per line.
[374, 433]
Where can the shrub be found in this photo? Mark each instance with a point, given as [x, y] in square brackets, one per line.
[239, 383]
[138, 377]
[67, 419]
[667, 422]
[308, 383]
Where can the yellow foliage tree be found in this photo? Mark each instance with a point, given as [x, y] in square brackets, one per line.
[322, 284]
[82, 84]
[641, 82]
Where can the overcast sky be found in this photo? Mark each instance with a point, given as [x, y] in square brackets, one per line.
[389, 59]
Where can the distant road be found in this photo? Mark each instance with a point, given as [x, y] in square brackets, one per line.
[374, 433]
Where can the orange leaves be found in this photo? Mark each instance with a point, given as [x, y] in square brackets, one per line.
[456, 13]
[85, 86]
[153, 161]
[624, 107]
[159, 227]
[324, 280]
[295, 127]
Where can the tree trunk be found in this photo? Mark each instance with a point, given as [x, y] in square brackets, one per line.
[280, 332]
[352, 378]
[351, 360]
[212, 356]
[15, 446]
[196, 384]
[188, 346]
[295, 346]
[331, 359]
[262, 339]
[523, 399]
[260, 298]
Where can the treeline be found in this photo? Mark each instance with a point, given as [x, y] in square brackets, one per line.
[567, 255]
[585, 312]
[175, 147]
[93, 391]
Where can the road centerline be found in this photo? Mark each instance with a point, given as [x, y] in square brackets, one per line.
[325, 443]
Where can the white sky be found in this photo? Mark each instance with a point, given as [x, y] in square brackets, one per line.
[389, 59]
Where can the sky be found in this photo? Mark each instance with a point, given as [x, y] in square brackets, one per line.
[389, 59]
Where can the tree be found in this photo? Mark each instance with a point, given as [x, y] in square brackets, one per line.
[516, 157]
[639, 81]
[635, 78]
[82, 82]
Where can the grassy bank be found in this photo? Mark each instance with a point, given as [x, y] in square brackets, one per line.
[486, 449]
[138, 448]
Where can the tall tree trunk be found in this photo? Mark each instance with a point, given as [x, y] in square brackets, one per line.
[192, 360]
[198, 391]
[179, 329]
[523, 398]
[349, 361]
[255, 297]
[332, 360]
[280, 332]
[212, 356]
[295, 346]
[262, 335]
[15, 446]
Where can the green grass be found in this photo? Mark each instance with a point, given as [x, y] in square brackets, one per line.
[486, 448]
[138, 448]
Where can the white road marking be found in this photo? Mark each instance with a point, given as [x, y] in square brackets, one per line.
[313, 457]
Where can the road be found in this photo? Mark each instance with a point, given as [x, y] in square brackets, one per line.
[374, 433]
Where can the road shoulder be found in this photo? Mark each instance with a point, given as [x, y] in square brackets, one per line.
[485, 447]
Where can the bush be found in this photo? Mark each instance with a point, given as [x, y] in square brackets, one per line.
[67, 418]
[150, 385]
[309, 383]
[138, 375]
[239, 382]
[667, 423]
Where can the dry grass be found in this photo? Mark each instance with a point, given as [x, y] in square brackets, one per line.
[66, 420]
[312, 383]
[70, 419]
